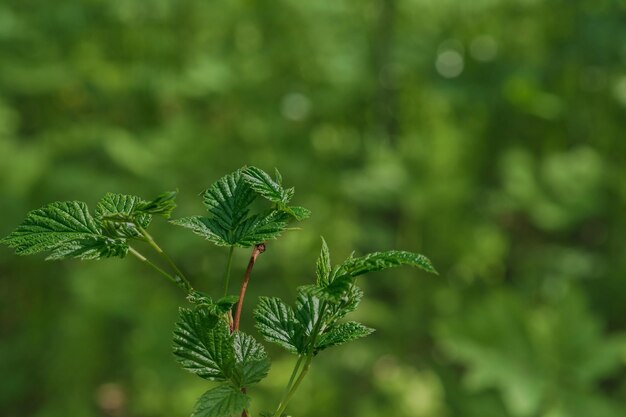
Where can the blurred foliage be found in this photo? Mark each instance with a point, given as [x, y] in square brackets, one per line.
[486, 134]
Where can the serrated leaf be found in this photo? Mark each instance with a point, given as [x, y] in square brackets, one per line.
[96, 247]
[323, 266]
[67, 229]
[228, 201]
[297, 212]
[377, 261]
[203, 344]
[307, 311]
[116, 212]
[265, 186]
[342, 333]
[222, 401]
[252, 364]
[259, 228]
[276, 321]
[202, 226]
[162, 205]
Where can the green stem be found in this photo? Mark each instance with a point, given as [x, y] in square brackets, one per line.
[296, 368]
[291, 389]
[148, 262]
[180, 280]
[227, 273]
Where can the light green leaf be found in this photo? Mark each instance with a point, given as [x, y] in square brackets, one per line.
[67, 229]
[259, 228]
[203, 344]
[252, 364]
[276, 321]
[323, 266]
[222, 401]
[297, 212]
[342, 333]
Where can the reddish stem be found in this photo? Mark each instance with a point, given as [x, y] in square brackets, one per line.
[258, 249]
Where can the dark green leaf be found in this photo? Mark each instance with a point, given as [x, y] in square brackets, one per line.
[222, 401]
[225, 304]
[252, 364]
[263, 184]
[342, 333]
[117, 213]
[204, 227]
[377, 261]
[203, 344]
[162, 205]
[307, 311]
[228, 201]
[276, 321]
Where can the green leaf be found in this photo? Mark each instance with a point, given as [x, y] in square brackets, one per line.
[67, 229]
[259, 228]
[222, 401]
[297, 212]
[276, 321]
[97, 247]
[228, 201]
[162, 205]
[265, 186]
[202, 226]
[323, 266]
[307, 311]
[342, 333]
[252, 364]
[225, 304]
[117, 212]
[203, 344]
[377, 261]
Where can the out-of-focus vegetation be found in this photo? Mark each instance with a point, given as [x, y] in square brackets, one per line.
[487, 134]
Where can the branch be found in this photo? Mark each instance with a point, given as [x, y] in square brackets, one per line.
[258, 249]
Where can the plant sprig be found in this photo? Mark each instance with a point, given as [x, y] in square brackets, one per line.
[207, 339]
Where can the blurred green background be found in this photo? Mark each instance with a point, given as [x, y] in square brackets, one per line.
[487, 134]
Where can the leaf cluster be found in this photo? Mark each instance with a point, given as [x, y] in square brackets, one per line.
[68, 230]
[205, 346]
[228, 201]
[315, 322]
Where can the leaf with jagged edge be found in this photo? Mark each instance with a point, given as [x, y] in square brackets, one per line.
[259, 228]
[297, 212]
[342, 278]
[221, 401]
[277, 323]
[265, 186]
[342, 333]
[228, 201]
[162, 205]
[203, 344]
[117, 213]
[308, 309]
[94, 248]
[65, 228]
[323, 266]
[252, 363]
[202, 226]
